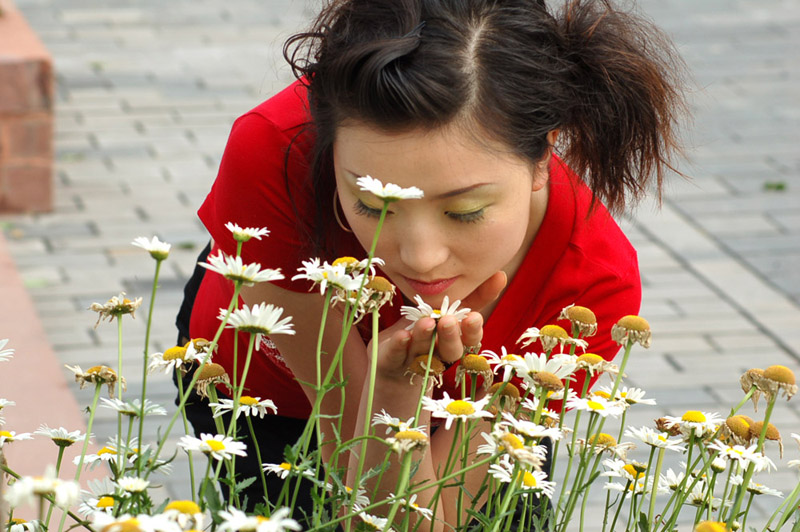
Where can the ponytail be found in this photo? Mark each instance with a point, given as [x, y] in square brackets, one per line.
[622, 128]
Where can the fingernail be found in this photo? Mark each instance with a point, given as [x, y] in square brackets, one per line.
[404, 340]
[448, 326]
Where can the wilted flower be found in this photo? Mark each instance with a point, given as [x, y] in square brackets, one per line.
[581, 318]
[777, 379]
[116, 307]
[210, 375]
[392, 423]
[158, 250]
[475, 366]
[772, 434]
[419, 366]
[424, 310]
[243, 234]
[234, 269]
[389, 192]
[749, 379]
[631, 328]
[738, 428]
[550, 336]
[594, 364]
[97, 375]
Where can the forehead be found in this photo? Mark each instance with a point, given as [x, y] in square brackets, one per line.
[425, 158]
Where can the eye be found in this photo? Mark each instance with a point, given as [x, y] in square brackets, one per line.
[467, 217]
[363, 209]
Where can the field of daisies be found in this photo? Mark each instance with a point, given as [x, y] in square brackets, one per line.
[537, 441]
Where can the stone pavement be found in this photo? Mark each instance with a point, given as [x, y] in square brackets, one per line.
[147, 91]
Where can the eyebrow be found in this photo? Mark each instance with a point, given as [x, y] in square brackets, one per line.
[444, 195]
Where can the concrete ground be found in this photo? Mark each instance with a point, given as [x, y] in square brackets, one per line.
[147, 92]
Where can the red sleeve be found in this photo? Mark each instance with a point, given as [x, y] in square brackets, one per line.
[252, 190]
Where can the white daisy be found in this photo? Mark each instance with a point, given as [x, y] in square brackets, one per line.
[133, 484]
[5, 354]
[26, 489]
[217, 446]
[405, 441]
[655, 439]
[550, 336]
[389, 192]
[21, 525]
[326, 275]
[90, 505]
[531, 404]
[755, 487]
[186, 513]
[596, 405]
[373, 522]
[411, 504]
[392, 423]
[141, 523]
[423, 310]
[249, 406]
[243, 234]
[175, 357]
[284, 469]
[105, 454]
[8, 436]
[560, 366]
[452, 409]
[361, 497]
[594, 364]
[4, 403]
[743, 455]
[502, 441]
[234, 269]
[509, 363]
[158, 250]
[261, 319]
[630, 396]
[234, 520]
[671, 479]
[534, 482]
[529, 429]
[623, 469]
[60, 436]
[134, 408]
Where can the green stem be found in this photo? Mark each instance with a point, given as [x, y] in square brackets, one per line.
[425, 379]
[402, 482]
[620, 504]
[654, 490]
[146, 356]
[120, 450]
[58, 469]
[258, 456]
[188, 433]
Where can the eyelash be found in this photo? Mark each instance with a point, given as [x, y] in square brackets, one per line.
[467, 217]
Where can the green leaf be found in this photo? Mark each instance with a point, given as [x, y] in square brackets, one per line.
[644, 523]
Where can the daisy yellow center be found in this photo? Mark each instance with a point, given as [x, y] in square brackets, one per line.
[694, 416]
[711, 526]
[603, 439]
[286, 465]
[411, 435]
[475, 363]
[511, 358]
[595, 405]
[528, 480]
[590, 358]
[105, 502]
[631, 470]
[345, 261]
[248, 401]
[581, 314]
[261, 519]
[603, 394]
[512, 441]
[184, 507]
[17, 521]
[106, 450]
[460, 408]
[506, 388]
[780, 374]
[215, 445]
[6, 434]
[554, 331]
[739, 426]
[634, 323]
[129, 525]
[175, 353]
[436, 313]
[547, 380]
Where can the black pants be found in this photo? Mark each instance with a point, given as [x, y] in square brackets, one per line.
[274, 432]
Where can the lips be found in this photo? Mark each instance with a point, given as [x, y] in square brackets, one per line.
[430, 288]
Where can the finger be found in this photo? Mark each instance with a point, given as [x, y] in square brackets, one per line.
[421, 336]
[487, 292]
[393, 354]
[472, 329]
[450, 346]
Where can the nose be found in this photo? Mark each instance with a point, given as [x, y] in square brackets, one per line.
[422, 249]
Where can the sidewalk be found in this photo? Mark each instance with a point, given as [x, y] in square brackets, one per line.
[147, 92]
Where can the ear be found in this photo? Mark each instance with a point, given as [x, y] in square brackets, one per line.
[541, 172]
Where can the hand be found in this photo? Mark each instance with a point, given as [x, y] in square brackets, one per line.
[398, 347]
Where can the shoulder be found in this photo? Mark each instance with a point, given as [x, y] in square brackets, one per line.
[284, 114]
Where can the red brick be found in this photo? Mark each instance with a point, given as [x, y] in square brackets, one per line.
[27, 137]
[26, 187]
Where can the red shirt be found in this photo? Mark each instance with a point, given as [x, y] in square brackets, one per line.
[576, 258]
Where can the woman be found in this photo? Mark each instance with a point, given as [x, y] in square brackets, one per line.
[467, 100]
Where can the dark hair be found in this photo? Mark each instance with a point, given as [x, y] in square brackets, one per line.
[606, 79]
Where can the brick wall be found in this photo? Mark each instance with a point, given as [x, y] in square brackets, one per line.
[26, 116]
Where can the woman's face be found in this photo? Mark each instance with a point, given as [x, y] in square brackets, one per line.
[480, 212]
